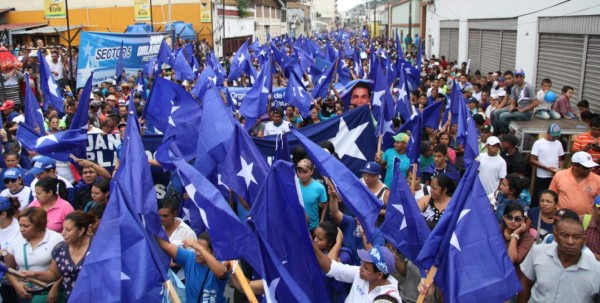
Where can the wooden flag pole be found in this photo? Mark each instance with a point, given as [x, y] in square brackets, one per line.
[35, 281]
[379, 143]
[428, 281]
[239, 274]
[172, 293]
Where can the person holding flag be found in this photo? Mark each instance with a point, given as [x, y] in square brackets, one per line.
[398, 151]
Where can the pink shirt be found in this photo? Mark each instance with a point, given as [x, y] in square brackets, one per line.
[56, 214]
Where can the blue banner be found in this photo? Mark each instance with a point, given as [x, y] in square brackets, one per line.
[103, 150]
[236, 95]
[99, 52]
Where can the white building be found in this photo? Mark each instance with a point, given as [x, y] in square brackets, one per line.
[560, 41]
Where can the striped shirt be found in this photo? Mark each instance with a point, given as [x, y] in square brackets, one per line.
[582, 140]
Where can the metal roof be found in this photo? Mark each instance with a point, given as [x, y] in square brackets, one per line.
[45, 30]
[20, 26]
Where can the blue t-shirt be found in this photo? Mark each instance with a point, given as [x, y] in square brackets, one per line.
[313, 194]
[348, 226]
[194, 276]
[388, 157]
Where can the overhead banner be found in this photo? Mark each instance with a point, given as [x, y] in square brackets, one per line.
[102, 149]
[205, 11]
[141, 10]
[55, 9]
[99, 52]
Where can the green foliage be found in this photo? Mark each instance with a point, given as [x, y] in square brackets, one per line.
[243, 8]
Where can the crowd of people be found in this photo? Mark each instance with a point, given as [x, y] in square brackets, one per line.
[50, 210]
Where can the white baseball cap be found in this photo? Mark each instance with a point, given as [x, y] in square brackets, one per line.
[584, 159]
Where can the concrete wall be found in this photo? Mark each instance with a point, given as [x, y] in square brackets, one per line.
[527, 12]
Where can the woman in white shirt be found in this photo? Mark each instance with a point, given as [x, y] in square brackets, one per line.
[15, 187]
[9, 231]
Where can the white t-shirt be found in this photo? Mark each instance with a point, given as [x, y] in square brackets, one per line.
[548, 153]
[272, 129]
[9, 234]
[491, 171]
[64, 170]
[359, 292]
[56, 67]
[38, 258]
[542, 104]
[181, 233]
[24, 196]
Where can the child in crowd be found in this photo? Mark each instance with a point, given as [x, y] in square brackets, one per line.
[544, 109]
[563, 105]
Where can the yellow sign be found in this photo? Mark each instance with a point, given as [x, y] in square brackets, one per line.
[55, 9]
[141, 10]
[205, 11]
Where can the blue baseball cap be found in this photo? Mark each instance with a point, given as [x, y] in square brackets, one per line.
[519, 71]
[42, 164]
[372, 168]
[554, 130]
[4, 203]
[381, 257]
[12, 173]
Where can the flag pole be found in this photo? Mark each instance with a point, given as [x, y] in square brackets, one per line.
[428, 281]
[172, 293]
[379, 143]
[239, 274]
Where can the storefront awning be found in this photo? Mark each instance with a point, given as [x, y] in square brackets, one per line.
[20, 26]
[44, 30]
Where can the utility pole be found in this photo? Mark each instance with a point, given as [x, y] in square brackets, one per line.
[410, 24]
[374, 18]
[223, 38]
[69, 45]
[151, 16]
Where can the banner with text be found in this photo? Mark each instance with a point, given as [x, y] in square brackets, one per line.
[141, 10]
[103, 150]
[55, 9]
[99, 52]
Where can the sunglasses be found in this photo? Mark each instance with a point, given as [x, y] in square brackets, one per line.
[514, 218]
[6, 181]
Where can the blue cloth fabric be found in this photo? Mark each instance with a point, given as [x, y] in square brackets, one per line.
[352, 242]
[195, 274]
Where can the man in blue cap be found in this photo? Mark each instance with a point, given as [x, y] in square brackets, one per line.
[45, 167]
[369, 280]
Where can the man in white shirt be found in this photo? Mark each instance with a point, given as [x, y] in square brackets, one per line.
[369, 280]
[276, 126]
[493, 167]
[56, 68]
[175, 228]
[547, 156]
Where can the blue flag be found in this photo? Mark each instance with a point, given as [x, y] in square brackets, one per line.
[343, 70]
[403, 106]
[50, 90]
[383, 103]
[256, 99]
[216, 119]
[173, 111]
[165, 56]
[34, 118]
[322, 85]
[244, 168]
[413, 147]
[432, 114]
[239, 61]
[350, 133]
[140, 87]
[81, 117]
[295, 252]
[231, 239]
[151, 67]
[399, 50]
[183, 70]
[404, 226]
[57, 146]
[304, 59]
[297, 95]
[282, 148]
[363, 204]
[213, 62]
[119, 70]
[468, 248]
[125, 263]
[121, 265]
[358, 68]
[281, 58]
[467, 131]
[207, 78]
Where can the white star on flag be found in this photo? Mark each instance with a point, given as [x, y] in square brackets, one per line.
[400, 208]
[139, 87]
[271, 290]
[345, 140]
[241, 58]
[402, 92]
[174, 108]
[454, 239]
[191, 190]
[52, 86]
[377, 97]
[41, 140]
[246, 172]
[321, 79]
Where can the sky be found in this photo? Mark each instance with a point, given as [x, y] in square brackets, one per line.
[345, 5]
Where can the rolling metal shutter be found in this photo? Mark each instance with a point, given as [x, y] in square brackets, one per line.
[475, 49]
[591, 77]
[449, 43]
[509, 50]
[560, 58]
[453, 51]
[490, 51]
